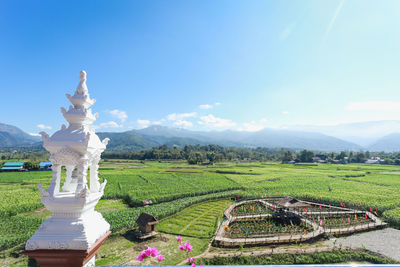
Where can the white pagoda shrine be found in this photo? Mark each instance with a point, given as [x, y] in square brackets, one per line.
[75, 231]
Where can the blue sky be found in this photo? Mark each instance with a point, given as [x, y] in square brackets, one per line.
[201, 65]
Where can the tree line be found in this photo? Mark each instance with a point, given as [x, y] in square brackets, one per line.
[198, 154]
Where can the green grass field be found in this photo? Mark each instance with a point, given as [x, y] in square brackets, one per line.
[199, 220]
[175, 186]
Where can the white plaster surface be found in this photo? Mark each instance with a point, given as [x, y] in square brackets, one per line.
[74, 223]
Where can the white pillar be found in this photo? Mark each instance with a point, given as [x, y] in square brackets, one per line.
[54, 187]
[94, 178]
[82, 173]
[68, 178]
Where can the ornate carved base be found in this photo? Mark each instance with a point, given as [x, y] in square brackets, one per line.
[66, 258]
[74, 224]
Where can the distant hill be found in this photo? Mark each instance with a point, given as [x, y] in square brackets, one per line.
[156, 135]
[361, 133]
[12, 136]
[271, 138]
[388, 143]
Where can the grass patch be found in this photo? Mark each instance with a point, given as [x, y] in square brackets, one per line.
[198, 220]
[336, 256]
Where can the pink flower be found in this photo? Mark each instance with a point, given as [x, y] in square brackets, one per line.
[193, 264]
[188, 247]
[140, 258]
[191, 260]
[148, 251]
[160, 258]
[154, 252]
[181, 247]
[178, 238]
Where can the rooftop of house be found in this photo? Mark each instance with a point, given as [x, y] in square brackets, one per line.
[13, 164]
[45, 164]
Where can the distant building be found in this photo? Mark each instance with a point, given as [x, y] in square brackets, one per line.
[375, 160]
[321, 156]
[13, 166]
[45, 166]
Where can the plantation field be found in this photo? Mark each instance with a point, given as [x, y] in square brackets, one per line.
[174, 186]
[265, 227]
[250, 208]
[199, 220]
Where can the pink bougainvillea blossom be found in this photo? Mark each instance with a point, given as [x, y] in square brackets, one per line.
[150, 251]
[188, 247]
[191, 260]
[160, 257]
[178, 238]
[140, 258]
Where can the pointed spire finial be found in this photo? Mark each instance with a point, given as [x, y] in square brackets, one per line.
[82, 88]
[82, 76]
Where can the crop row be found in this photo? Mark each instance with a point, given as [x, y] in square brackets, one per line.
[164, 187]
[18, 229]
[127, 217]
[15, 230]
[15, 199]
[199, 220]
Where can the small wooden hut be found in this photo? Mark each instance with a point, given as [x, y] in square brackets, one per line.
[147, 223]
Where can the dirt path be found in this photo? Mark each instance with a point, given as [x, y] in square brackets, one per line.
[266, 251]
[385, 242]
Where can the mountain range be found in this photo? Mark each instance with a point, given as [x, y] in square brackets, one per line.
[13, 136]
[156, 135]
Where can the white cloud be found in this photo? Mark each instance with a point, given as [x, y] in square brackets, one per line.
[34, 134]
[183, 123]
[180, 116]
[374, 106]
[109, 124]
[43, 127]
[143, 123]
[205, 106]
[287, 31]
[217, 103]
[119, 114]
[253, 126]
[285, 112]
[212, 121]
[157, 122]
